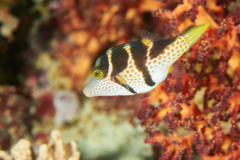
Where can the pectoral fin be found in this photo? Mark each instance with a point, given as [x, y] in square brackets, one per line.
[122, 81]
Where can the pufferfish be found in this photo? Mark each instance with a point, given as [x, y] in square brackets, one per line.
[139, 66]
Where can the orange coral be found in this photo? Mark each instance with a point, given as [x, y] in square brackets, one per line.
[202, 108]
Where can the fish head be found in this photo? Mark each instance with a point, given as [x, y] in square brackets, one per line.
[102, 83]
[104, 87]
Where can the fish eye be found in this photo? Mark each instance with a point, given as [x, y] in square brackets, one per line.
[98, 74]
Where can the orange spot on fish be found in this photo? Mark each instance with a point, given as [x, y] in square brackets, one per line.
[130, 67]
[179, 38]
[173, 45]
[149, 63]
[178, 43]
[163, 52]
[174, 54]
[178, 51]
[132, 70]
[168, 53]
[176, 47]
[172, 50]
[164, 60]
[159, 62]
[127, 71]
[186, 47]
[159, 57]
[164, 56]
[130, 75]
[130, 62]
[151, 67]
[154, 61]
[180, 46]
[182, 41]
[168, 48]
[178, 55]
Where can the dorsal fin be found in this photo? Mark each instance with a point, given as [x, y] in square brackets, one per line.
[150, 36]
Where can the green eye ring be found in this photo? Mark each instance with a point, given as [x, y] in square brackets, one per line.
[98, 74]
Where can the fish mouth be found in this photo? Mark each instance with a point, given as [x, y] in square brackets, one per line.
[86, 92]
[194, 34]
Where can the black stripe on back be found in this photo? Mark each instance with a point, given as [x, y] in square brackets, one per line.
[159, 46]
[104, 61]
[139, 53]
[102, 64]
[119, 59]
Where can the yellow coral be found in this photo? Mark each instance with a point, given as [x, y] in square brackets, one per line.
[10, 23]
[54, 150]
[54, 73]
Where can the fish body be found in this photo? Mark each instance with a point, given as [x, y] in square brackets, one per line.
[139, 66]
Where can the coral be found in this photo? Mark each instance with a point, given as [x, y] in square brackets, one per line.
[52, 76]
[22, 150]
[44, 104]
[192, 115]
[15, 112]
[9, 23]
[107, 132]
[54, 150]
[66, 105]
[90, 28]
[5, 156]
[198, 113]
[16, 19]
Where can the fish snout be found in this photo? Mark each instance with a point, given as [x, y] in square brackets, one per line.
[86, 92]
